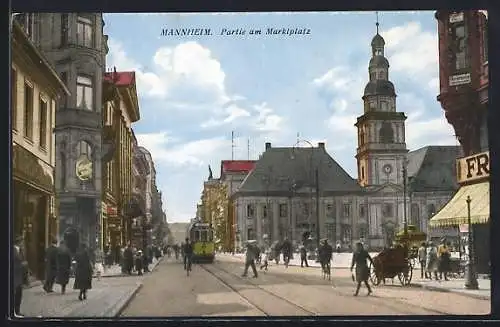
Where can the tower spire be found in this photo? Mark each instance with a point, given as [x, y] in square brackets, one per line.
[377, 24]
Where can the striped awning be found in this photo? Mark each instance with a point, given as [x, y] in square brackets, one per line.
[454, 213]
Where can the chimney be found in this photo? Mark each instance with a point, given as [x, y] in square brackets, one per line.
[321, 145]
[268, 145]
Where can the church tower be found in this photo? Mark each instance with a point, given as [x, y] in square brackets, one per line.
[381, 129]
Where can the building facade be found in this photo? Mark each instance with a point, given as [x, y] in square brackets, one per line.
[232, 174]
[75, 45]
[140, 221]
[281, 198]
[36, 90]
[120, 111]
[464, 82]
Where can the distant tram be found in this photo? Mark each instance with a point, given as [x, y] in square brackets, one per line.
[202, 237]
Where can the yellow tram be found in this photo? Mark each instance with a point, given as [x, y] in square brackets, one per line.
[201, 236]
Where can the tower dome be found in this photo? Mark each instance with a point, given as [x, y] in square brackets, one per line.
[378, 41]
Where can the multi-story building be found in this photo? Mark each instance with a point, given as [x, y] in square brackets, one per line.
[281, 197]
[140, 224]
[36, 90]
[463, 66]
[75, 45]
[120, 110]
[232, 174]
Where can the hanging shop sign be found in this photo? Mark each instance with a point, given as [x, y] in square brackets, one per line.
[457, 17]
[473, 168]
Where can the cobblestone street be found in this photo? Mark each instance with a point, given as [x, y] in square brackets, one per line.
[219, 290]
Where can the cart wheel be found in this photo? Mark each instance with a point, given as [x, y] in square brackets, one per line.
[406, 275]
[373, 276]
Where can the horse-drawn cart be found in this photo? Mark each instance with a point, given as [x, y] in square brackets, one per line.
[397, 260]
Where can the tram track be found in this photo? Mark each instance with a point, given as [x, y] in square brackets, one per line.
[372, 300]
[215, 271]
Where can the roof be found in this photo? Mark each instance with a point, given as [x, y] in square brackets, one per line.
[286, 169]
[432, 168]
[380, 87]
[120, 78]
[28, 49]
[236, 166]
[378, 40]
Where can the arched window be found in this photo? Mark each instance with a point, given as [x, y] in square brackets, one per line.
[386, 134]
[362, 137]
[84, 149]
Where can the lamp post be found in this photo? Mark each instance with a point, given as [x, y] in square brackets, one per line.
[316, 182]
[405, 218]
[470, 280]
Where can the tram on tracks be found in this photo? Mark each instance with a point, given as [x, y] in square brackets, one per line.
[201, 235]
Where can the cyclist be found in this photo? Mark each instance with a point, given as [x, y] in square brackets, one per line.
[187, 252]
[325, 255]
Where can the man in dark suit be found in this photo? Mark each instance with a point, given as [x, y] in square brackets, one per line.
[50, 267]
[20, 267]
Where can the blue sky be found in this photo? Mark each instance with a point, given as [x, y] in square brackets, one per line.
[195, 90]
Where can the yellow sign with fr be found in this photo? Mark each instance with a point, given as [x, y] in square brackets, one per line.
[473, 168]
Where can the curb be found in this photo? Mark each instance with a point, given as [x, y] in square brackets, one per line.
[118, 308]
[447, 290]
[33, 284]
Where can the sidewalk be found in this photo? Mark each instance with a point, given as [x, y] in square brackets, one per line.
[107, 297]
[455, 286]
[116, 270]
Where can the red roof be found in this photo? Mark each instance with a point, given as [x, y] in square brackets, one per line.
[120, 78]
[236, 166]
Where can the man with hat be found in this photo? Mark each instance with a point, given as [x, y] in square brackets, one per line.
[359, 258]
[250, 259]
[50, 266]
[325, 254]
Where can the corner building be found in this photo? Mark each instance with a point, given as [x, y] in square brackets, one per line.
[75, 45]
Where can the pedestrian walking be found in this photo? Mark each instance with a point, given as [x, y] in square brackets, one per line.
[83, 273]
[360, 258]
[303, 256]
[145, 260]
[250, 260]
[265, 260]
[422, 255]
[20, 272]
[139, 262]
[444, 259]
[63, 266]
[431, 261]
[50, 267]
[128, 259]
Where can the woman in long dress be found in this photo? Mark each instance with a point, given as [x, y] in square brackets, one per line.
[432, 261]
[83, 273]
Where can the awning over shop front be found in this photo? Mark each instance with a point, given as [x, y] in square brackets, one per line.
[455, 211]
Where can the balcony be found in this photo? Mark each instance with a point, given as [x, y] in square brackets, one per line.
[70, 117]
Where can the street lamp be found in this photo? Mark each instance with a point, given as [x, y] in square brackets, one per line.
[405, 218]
[470, 280]
[316, 182]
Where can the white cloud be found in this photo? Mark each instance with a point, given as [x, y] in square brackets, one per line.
[412, 51]
[267, 120]
[196, 152]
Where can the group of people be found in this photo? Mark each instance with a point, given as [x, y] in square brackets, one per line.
[137, 260]
[435, 260]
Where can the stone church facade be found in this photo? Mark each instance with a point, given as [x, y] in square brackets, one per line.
[278, 198]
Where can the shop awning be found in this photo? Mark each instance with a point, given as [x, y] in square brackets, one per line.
[455, 211]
